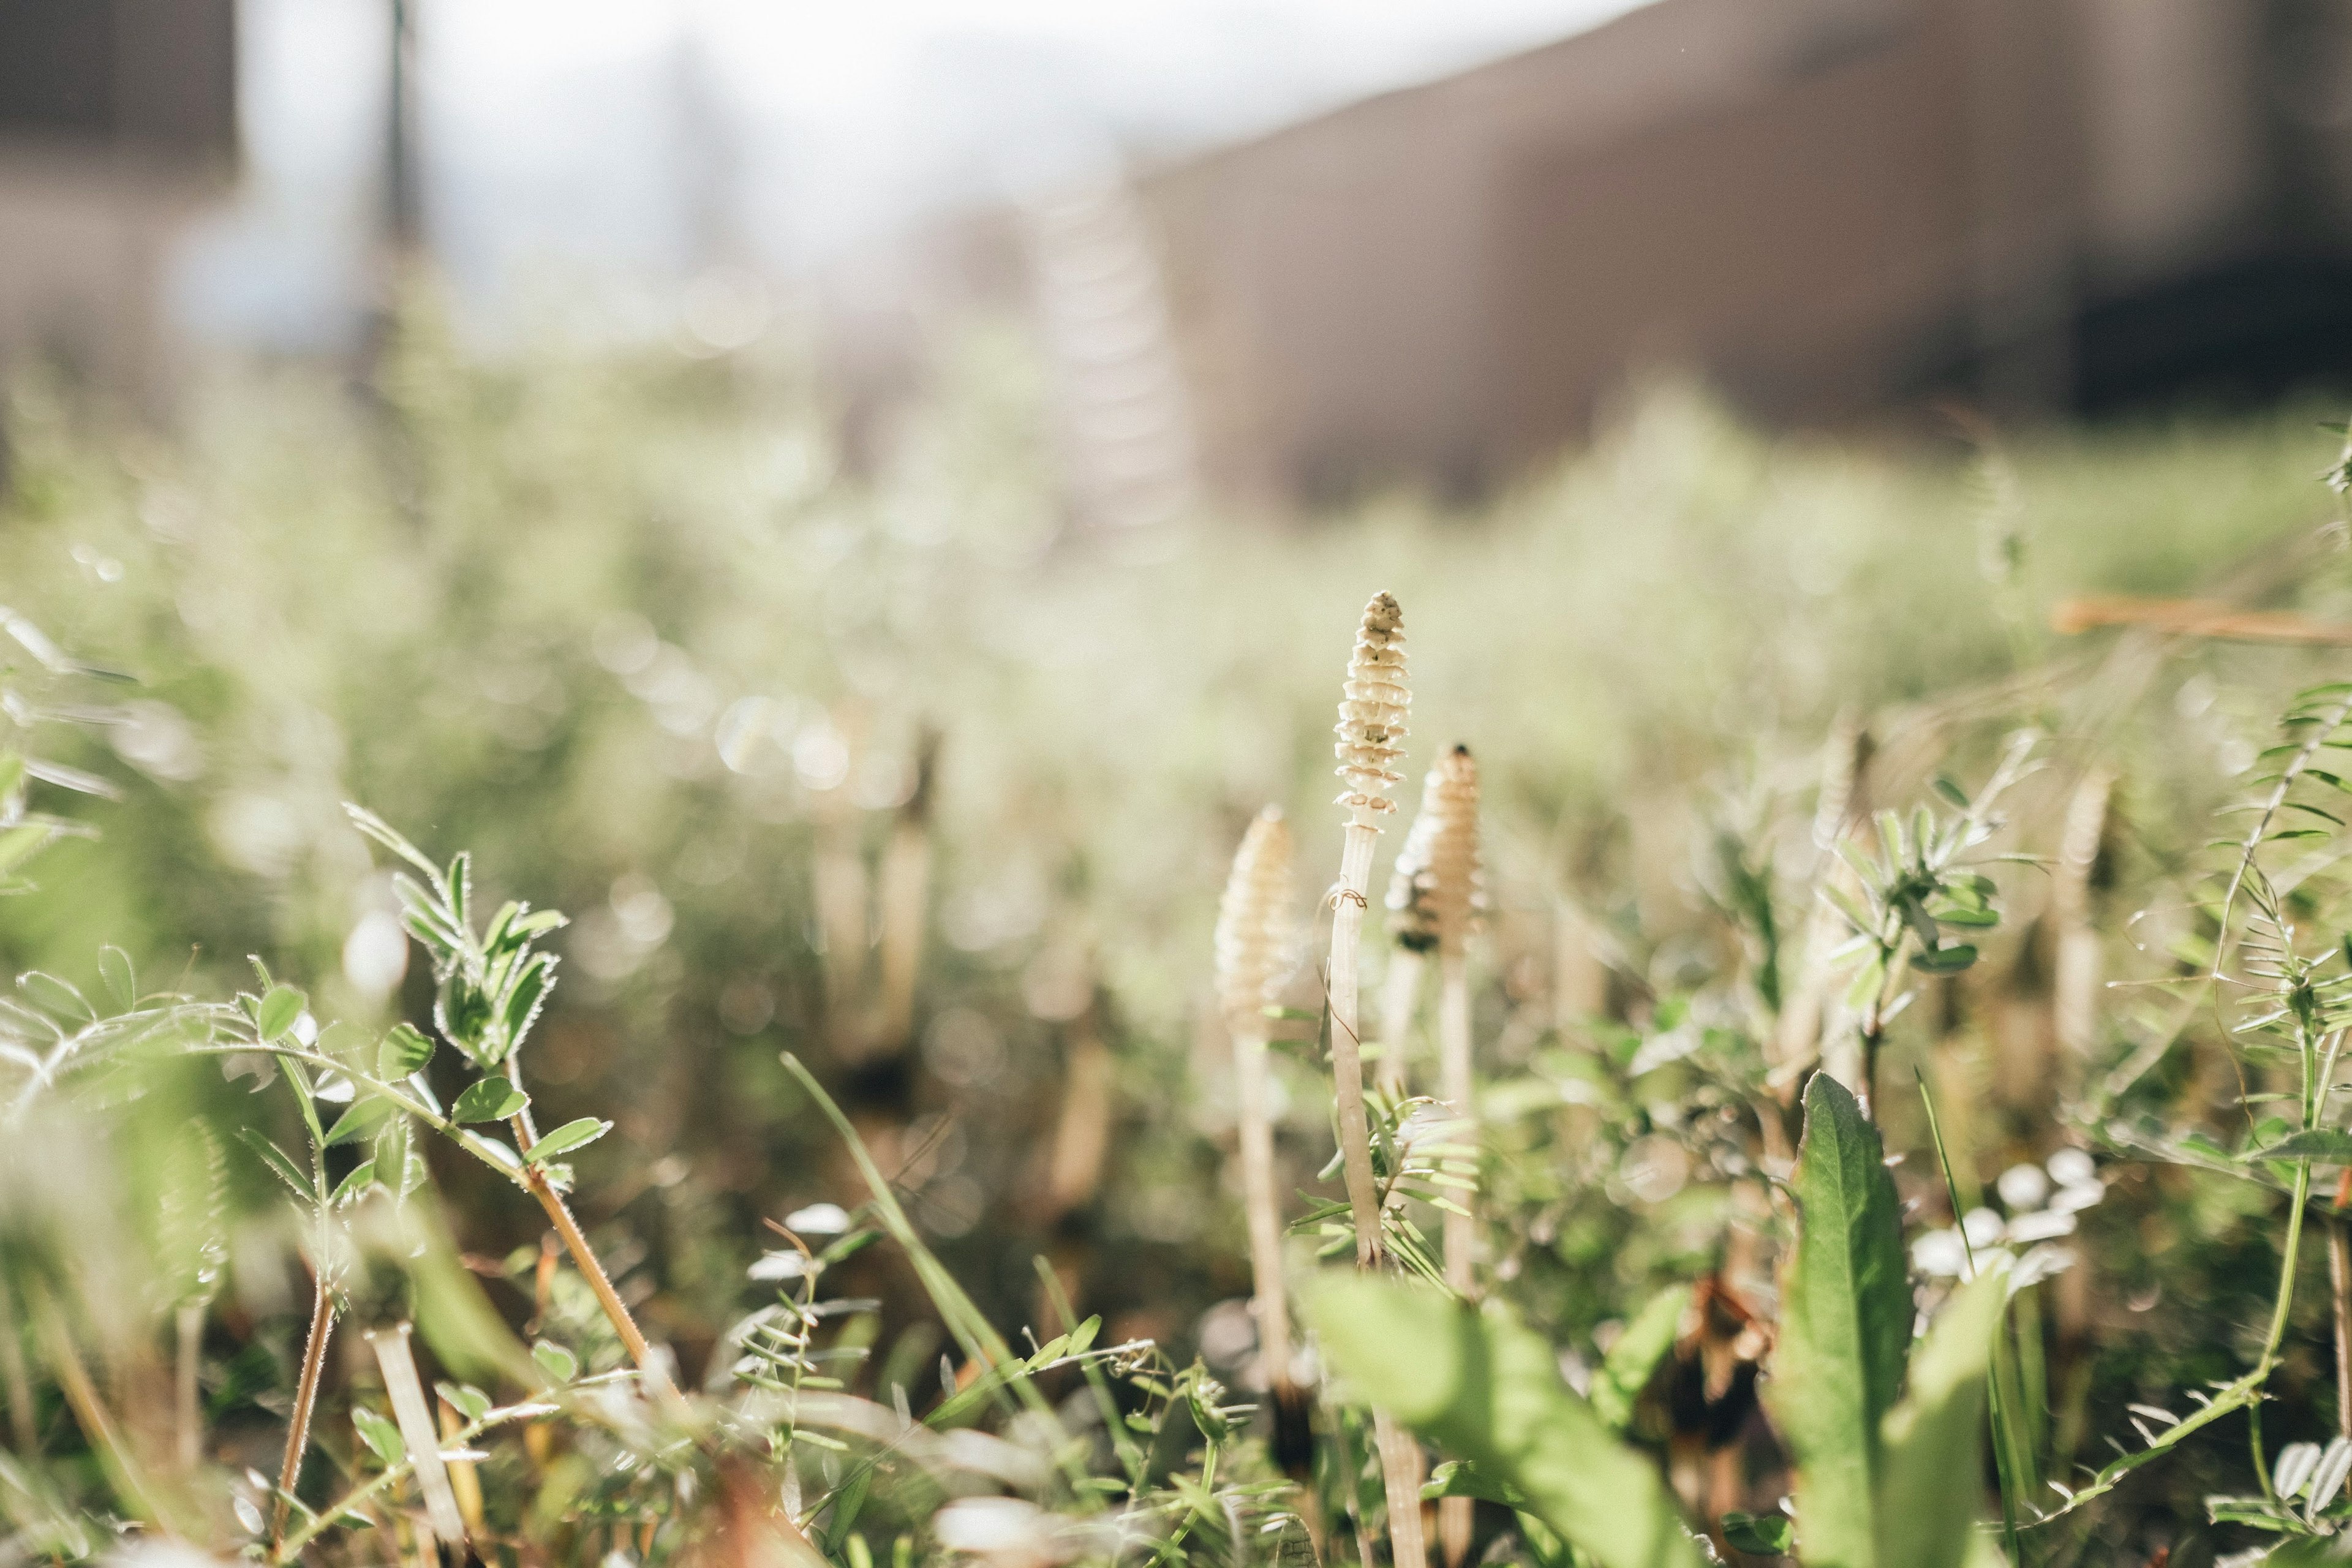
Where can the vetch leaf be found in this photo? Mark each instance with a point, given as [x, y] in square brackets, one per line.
[571, 1135]
[1766, 1534]
[280, 1162]
[356, 1123]
[1845, 1326]
[1487, 1390]
[278, 1011]
[405, 1050]
[489, 1100]
[555, 1361]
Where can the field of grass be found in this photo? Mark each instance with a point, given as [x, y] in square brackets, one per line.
[890, 813]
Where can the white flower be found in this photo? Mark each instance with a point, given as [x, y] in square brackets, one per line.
[2022, 1187]
[2071, 1167]
[1982, 1226]
[818, 1219]
[1940, 1254]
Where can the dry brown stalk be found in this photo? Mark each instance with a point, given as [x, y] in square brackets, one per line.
[96, 1423]
[1370, 732]
[306, 1398]
[1254, 936]
[187, 1418]
[2197, 618]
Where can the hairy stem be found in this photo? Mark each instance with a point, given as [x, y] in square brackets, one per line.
[583, 1257]
[306, 1396]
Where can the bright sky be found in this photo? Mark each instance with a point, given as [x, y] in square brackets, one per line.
[581, 132]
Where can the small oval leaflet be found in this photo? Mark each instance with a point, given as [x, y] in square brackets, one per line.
[491, 1099]
[278, 1010]
[569, 1136]
[405, 1050]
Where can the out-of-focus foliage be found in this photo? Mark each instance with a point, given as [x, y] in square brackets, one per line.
[900, 771]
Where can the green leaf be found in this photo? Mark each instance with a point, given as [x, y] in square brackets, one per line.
[489, 1100]
[1764, 1534]
[280, 1162]
[1487, 1390]
[406, 1050]
[2330, 1144]
[1845, 1326]
[1631, 1361]
[1457, 1478]
[1928, 1497]
[278, 1011]
[1948, 960]
[555, 1361]
[381, 1435]
[464, 1399]
[361, 1119]
[569, 1136]
[350, 1187]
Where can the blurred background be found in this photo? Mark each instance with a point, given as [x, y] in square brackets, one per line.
[860, 505]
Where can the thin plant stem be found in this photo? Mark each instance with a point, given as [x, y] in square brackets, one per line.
[1263, 1207]
[121, 1467]
[306, 1396]
[291, 1546]
[583, 1257]
[1455, 1515]
[1347, 1058]
[1400, 989]
[1992, 1381]
[2340, 1279]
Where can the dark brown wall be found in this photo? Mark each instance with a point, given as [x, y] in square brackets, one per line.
[154, 78]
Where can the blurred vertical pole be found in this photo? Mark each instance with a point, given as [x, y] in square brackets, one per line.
[399, 238]
[2026, 154]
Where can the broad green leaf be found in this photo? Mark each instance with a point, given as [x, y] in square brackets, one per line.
[1949, 959]
[278, 1011]
[571, 1135]
[555, 1361]
[1634, 1357]
[280, 1162]
[489, 1100]
[1487, 1390]
[1929, 1496]
[1845, 1326]
[406, 1050]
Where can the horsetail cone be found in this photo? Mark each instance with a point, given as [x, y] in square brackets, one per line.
[1434, 895]
[1253, 944]
[1371, 714]
[1254, 923]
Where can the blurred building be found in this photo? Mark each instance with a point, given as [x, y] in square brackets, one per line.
[1829, 209]
[118, 127]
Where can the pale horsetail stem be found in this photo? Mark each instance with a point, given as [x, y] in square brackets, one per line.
[1370, 729]
[1255, 935]
[1448, 901]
